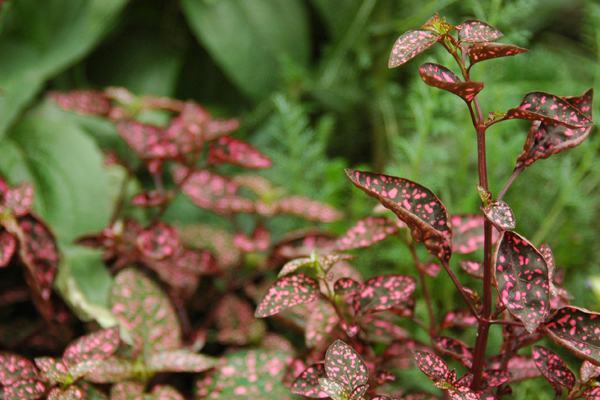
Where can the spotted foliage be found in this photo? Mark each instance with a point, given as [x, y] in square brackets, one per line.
[588, 371]
[410, 44]
[321, 320]
[473, 268]
[592, 393]
[17, 200]
[96, 346]
[89, 102]
[365, 233]
[14, 367]
[286, 292]
[545, 107]
[384, 292]
[8, 245]
[433, 366]
[467, 233]
[345, 367]
[307, 209]
[485, 51]
[477, 31]
[158, 241]
[441, 77]
[236, 323]
[459, 319]
[307, 383]
[500, 214]
[578, 330]
[414, 204]
[455, 349]
[228, 150]
[522, 277]
[553, 368]
[29, 389]
[179, 361]
[147, 141]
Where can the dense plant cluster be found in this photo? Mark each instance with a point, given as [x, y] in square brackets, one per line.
[187, 303]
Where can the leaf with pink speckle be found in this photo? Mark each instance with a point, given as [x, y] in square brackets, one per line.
[410, 44]
[384, 292]
[433, 366]
[547, 138]
[29, 389]
[459, 319]
[455, 349]
[474, 31]
[18, 200]
[236, 323]
[334, 389]
[589, 371]
[127, 391]
[8, 245]
[473, 268]
[485, 51]
[164, 392]
[500, 214]
[113, 369]
[211, 191]
[578, 330]
[287, 292]
[442, 78]
[467, 233]
[522, 278]
[365, 233]
[158, 241]
[89, 102]
[228, 150]
[431, 269]
[414, 204]
[73, 392]
[52, 370]
[179, 361]
[96, 346]
[320, 322]
[14, 367]
[259, 241]
[147, 141]
[553, 368]
[142, 307]
[521, 368]
[592, 393]
[346, 286]
[308, 209]
[545, 107]
[343, 364]
[307, 383]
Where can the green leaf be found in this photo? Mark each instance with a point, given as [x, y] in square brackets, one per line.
[65, 168]
[179, 361]
[39, 42]
[238, 33]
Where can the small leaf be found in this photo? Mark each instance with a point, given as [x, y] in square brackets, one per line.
[73, 392]
[455, 349]
[522, 368]
[547, 138]
[578, 330]
[307, 383]
[95, 346]
[320, 322]
[365, 233]
[287, 292]
[540, 106]
[334, 389]
[346, 286]
[345, 365]
[467, 232]
[589, 371]
[462, 393]
[473, 268]
[152, 198]
[127, 391]
[236, 323]
[433, 366]
[592, 393]
[142, 307]
[553, 368]
[179, 361]
[158, 241]
[295, 264]
[485, 51]
[229, 150]
[52, 370]
[147, 141]
[522, 277]
[15, 368]
[308, 209]
[441, 77]
[18, 200]
[88, 102]
[459, 319]
[111, 370]
[500, 214]
[414, 204]
[410, 44]
[477, 31]
[29, 389]
[8, 245]
[384, 292]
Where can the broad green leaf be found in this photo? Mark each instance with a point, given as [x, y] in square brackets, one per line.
[37, 42]
[65, 168]
[238, 34]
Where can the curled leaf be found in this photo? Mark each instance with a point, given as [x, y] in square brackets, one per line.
[365, 233]
[553, 368]
[287, 292]
[455, 349]
[500, 214]
[414, 204]
[477, 31]
[578, 330]
[540, 106]
[485, 51]
[410, 44]
[384, 292]
[441, 77]
[234, 151]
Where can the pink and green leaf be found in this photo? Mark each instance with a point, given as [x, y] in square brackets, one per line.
[553, 368]
[228, 150]
[149, 142]
[473, 268]
[236, 323]
[52, 370]
[545, 107]
[474, 31]
[485, 51]
[578, 330]
[89, 102]
[179, 361]
[14, 367]
[158, 241]
[18, 200]
[522, 278]
[336, 390]
[73, 392]
[308, 209]
[287, 292]
[320, 321]
[414, 204]
[433, 366]
[8, 245]
[500, 215]
[467, 233]
[442, 78]
[112, 370]
[29, 389]
[344, 365]
[365, 233]
[384, 292]
[592, 393]
[459, 319]
[588, 371]
[522, 368]
[127, 391]
[307, 383]
[410, 44]
[455, 349]
[96, 346]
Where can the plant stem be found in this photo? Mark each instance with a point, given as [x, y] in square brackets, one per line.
[509, 183]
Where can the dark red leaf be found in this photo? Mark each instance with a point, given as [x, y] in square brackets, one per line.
[540, 106]
[588, 371]
[24, 390]
[228, 150]
[148, 141]
[308, 209]
[15, 368]
[96, 346]
[414, 204]
[500, 214]
[473, 268]
[8, 245]
[592, 393]
[410, 44]
[459, 319]
[384, 292]
[477, 31]
[522, 278]
[287, 292]
[462, 393]
[433, 366]
[441, 77]
[578, 330]
[158, 241]
[553, 368]
[83, 101]
[485, 51]
[467, 233]
[307, 383]
[547, 138]
[455, 349]
[366, 232]
[345, 365]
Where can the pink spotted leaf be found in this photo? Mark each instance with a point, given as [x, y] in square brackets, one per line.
[589, 371]
[113, 369]
[365, 233]
[164, 392]
[14, 367]
[473, 268]
[455, 349]
[320, 322]
[485, 51]
[434, 367]
[410, 44]
[73, 392]
[229, 150]
[343, 364]
[578, 330]
[147, 141]
[287, 292]
[127, 391]
[384, 292]
[500, 214]
[307, 383]
[521, 368]
[158, 241]
[592, 393]
[179, 361]
[335, 389]
[441, 77]
[477, 31]
[236, 323]
[52, 370]
[462, 393]
[18, 200]
[308, 209]
[467, 233]
[96, 346]
[459, 319]
[8, 245]
[553, 368]
[297, 264]
[29, 389]
[545, 107]
[414, 204]
[522, 278]
[83, 101]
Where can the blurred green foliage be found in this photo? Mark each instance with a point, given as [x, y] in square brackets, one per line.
[309, 79]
